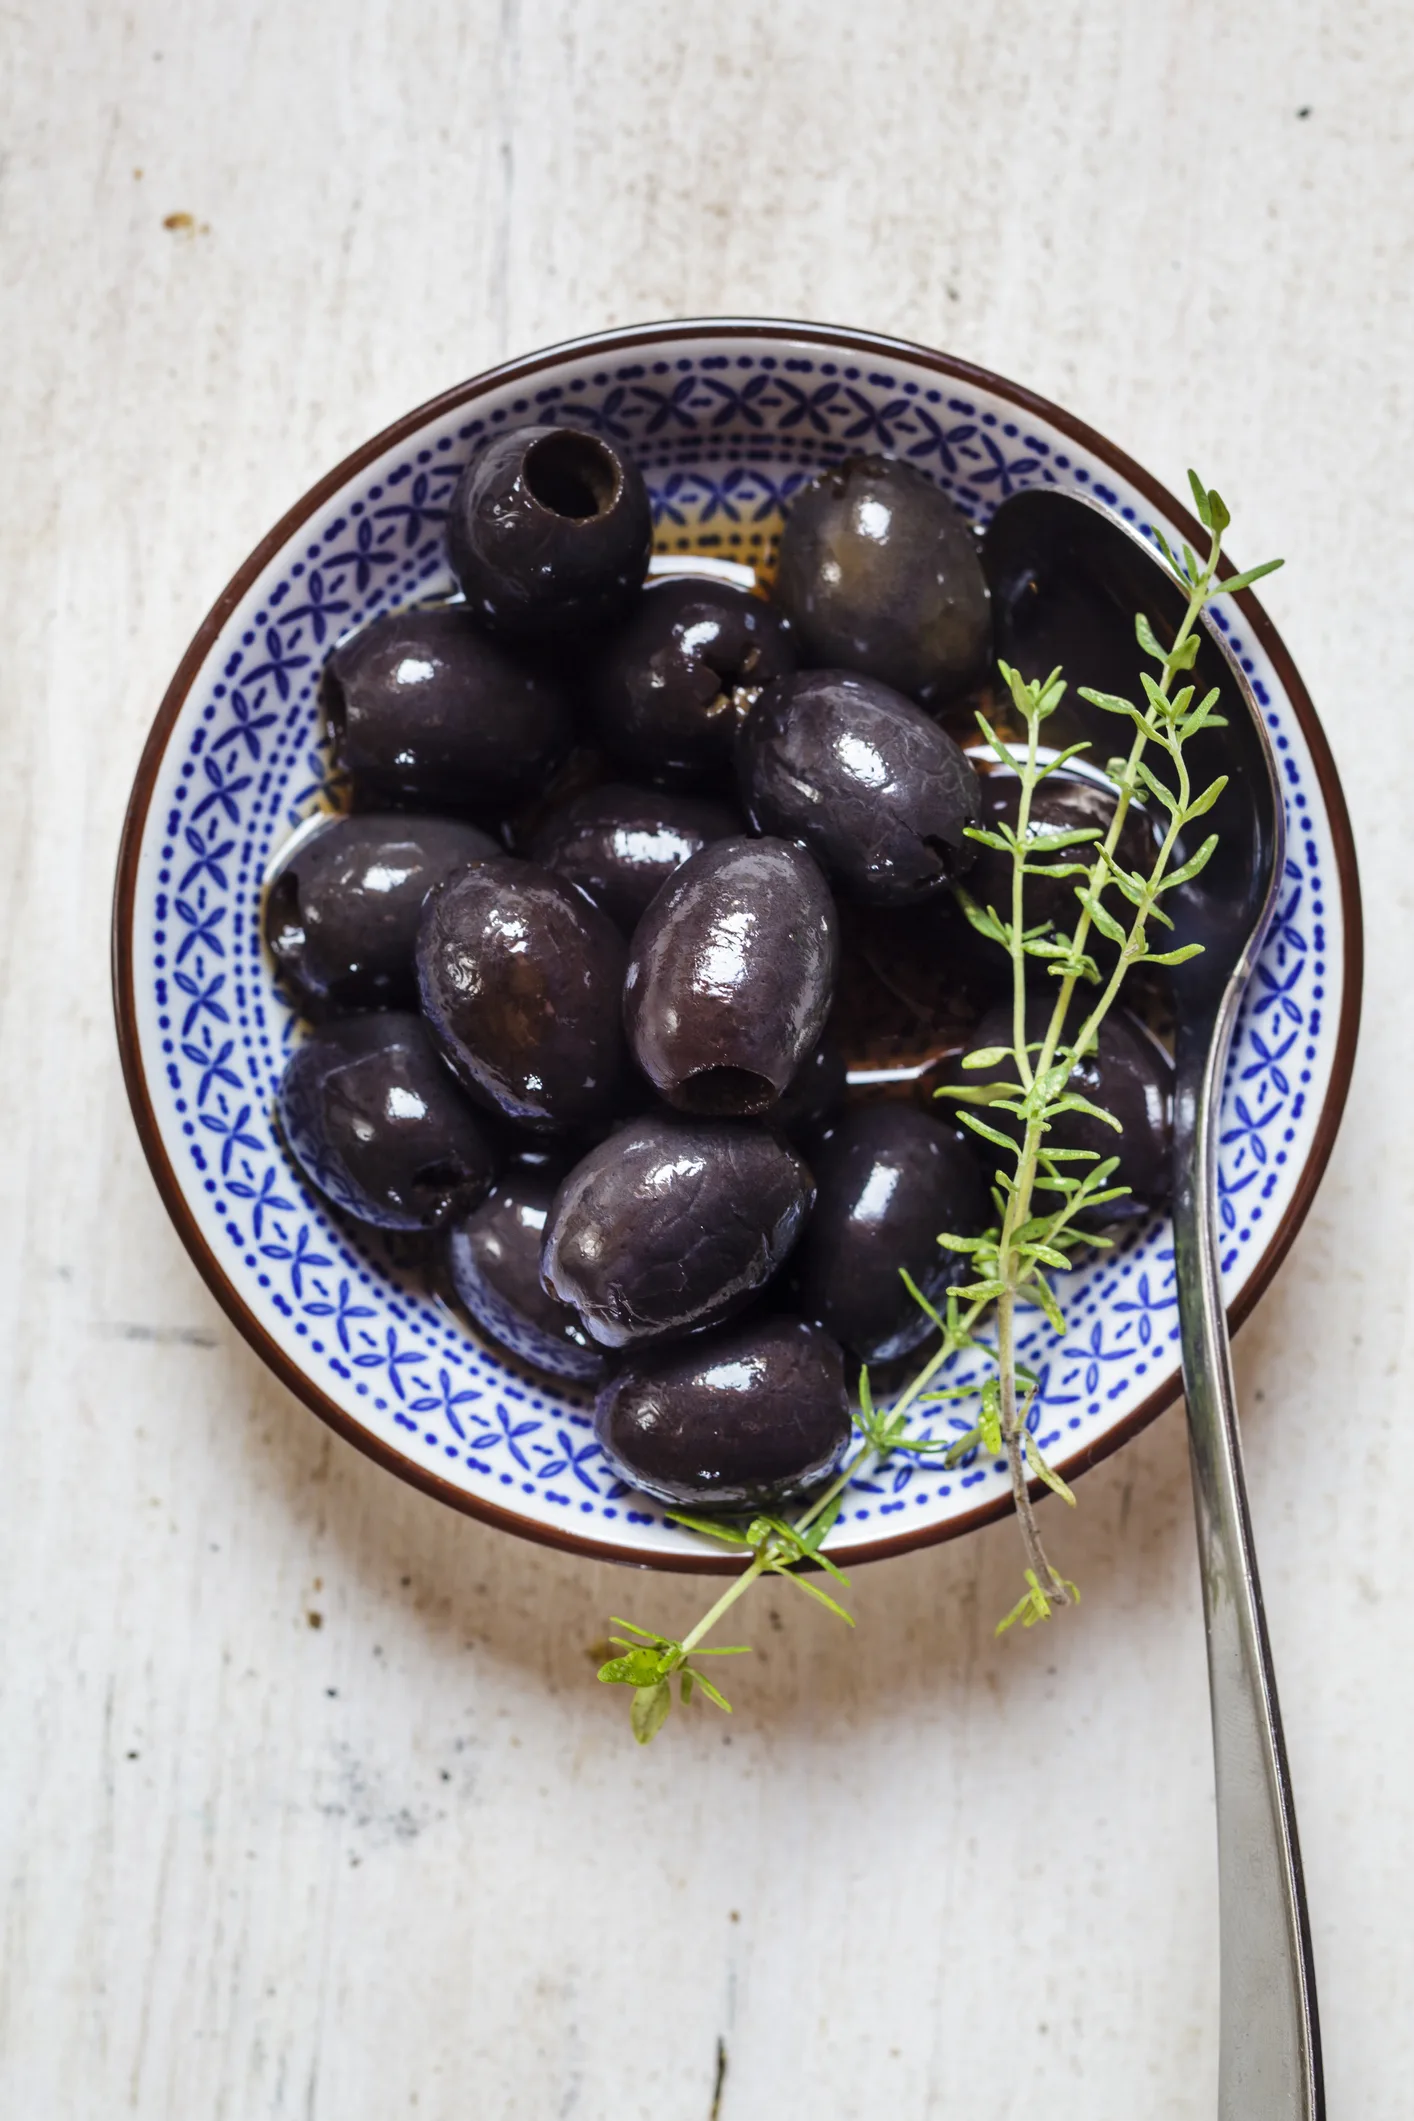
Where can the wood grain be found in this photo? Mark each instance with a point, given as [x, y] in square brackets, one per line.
[311, 1806]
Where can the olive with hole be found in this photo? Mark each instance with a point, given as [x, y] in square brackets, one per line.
[868, 782]
[879, 572]
[426, 711]
[730, 976]
[549, 530]
[889, 1181]
[1063, 802]
[672, 1224]
[493, 1257]
[343, 903]
[674, 683]
[520, 981]
[619, 845]
[1128, 1075]
[374, 1120]
[745, 1418]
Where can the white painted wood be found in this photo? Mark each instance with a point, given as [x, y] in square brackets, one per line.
[406, 1862]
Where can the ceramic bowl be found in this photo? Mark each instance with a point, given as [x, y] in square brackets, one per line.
[726, 418]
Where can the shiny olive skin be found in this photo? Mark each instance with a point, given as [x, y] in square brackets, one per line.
[672, 1224]
[815, 1090]
[374, 1120]
[730, 976]
[426, 712]
[493, 1257]
[343, 904]
[549, 531]
[620, 845]
[741, 1419]
[889, 1179]
[520, 980]
[1129, 1075]
[867, 781]
[880, 573]
[675, 681]
[1063, 802]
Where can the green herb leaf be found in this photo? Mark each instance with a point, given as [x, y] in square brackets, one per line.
[650, 1711]
[1172, 957]
[984, 921]
[1048, 1473]
[1194, 866]
[1144, 634]
[989, 1134]
[1201, 501]
[1101, 916]
[712, 1527]
[714, 1694]
[1235, 582]
[1201, 804]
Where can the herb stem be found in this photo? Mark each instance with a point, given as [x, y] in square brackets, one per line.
[735, 1589]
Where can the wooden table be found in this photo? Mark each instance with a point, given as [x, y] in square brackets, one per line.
[311, 1804]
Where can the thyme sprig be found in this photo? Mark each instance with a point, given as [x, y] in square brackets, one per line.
[1042, 1193]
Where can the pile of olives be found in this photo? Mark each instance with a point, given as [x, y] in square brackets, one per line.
[582, 962]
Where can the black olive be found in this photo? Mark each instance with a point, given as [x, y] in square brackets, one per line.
[673, 685]
[730, 976]
[880, 573]
[375, 1122]
[343, 903]
[493, 1256]
[426, 711]
[549, 530]
[888, 1181]
[816, 1088]
[1130, 1076]
[520, 980]
[672, 1224]
[742, 1419]
[1063, 802]
[620, 845]
[933, 959]
[867, 781]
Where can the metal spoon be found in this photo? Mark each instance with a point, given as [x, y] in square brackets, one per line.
[1067, 579]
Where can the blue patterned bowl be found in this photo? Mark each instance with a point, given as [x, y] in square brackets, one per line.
[726, 418]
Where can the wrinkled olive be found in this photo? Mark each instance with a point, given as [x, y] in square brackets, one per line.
[880, 573]
[1130, 1076]
[549, 530]
[493, 1256]
[889, 1180]
[620, 845]
[343, 903]
[426, 711]
[672, 1224]
[374, 1120]
[520, 980]
[676, 680]
[730, 976]
[873, 787]
[1063, 802]
[740, 1419]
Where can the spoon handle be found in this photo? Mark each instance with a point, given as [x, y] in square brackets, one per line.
[1269, 2065]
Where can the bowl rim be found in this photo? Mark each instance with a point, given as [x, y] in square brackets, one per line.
[835, 338]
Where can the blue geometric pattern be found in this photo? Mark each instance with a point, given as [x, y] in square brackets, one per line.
[725, 432]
